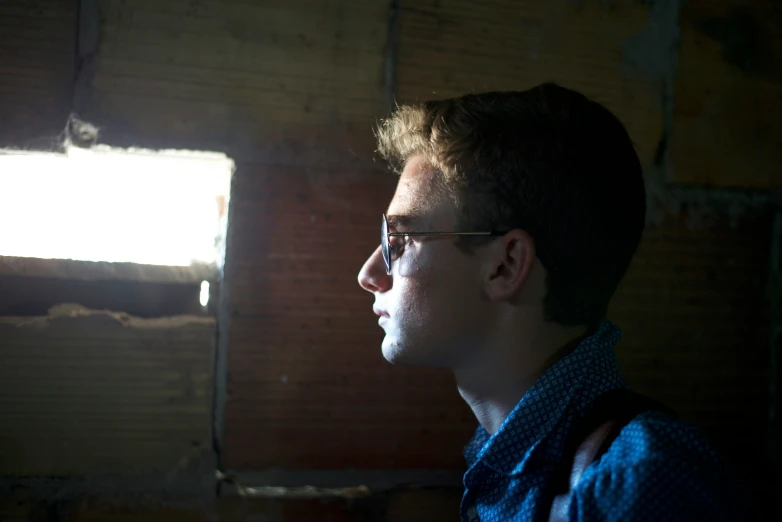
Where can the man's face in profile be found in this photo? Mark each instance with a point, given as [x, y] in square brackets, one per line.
[430, 305]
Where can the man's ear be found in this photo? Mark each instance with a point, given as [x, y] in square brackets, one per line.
[509, 264]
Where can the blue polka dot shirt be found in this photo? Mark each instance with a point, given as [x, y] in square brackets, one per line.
[658, 468]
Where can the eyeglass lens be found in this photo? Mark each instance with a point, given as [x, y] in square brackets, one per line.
[385, 248]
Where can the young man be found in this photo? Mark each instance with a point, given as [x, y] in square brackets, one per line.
[515, 217]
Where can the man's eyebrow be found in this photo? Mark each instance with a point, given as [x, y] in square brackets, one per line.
[401, 221]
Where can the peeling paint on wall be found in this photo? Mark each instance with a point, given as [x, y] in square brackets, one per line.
[741, 39]
[653, 54]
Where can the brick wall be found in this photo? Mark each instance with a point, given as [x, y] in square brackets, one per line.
[291, 90]
[308, 387]
[97, 393]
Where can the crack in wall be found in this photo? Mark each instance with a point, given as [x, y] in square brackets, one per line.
[775, 298]
[391, 55]
[87, 41]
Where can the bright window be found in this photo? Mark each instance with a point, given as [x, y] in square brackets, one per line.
[105, 204]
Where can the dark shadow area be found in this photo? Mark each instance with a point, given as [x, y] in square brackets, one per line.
[31, 296]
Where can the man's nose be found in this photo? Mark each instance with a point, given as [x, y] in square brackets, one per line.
[373, 277]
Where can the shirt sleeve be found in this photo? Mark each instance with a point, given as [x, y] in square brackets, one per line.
[654, 489]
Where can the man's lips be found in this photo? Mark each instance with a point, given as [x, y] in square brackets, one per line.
[379, 312]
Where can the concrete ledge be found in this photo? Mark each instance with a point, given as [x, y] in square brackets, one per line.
[104, 271]
[348, 480]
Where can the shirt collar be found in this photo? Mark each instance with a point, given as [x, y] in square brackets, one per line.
[542, 417]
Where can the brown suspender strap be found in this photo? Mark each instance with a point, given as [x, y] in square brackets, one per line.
[592, 436]
[584, 456]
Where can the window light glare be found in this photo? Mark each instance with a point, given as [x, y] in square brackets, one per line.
[115, 205]
[204, 293]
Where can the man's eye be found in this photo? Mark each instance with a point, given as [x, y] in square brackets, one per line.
[397, 245]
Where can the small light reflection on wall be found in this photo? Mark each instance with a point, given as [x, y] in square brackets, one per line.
[204, 293]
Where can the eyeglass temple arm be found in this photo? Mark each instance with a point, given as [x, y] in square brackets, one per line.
[400, 234]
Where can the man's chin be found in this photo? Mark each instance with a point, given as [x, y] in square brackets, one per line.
[401, 355]
[392, 352]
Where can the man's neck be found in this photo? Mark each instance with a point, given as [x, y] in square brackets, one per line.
[495, 386]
